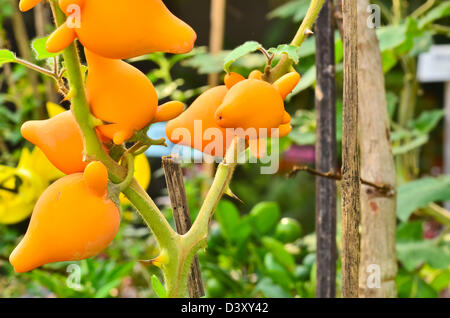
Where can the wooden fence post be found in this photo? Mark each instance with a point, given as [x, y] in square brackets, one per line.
[182, 217]
[351, 206]
[378, 210]
[326, 157]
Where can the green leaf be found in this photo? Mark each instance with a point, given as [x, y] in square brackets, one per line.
[427, 121]
[414, 254]
[40, 52]
[295, 9]
[271, 290]
[264, 216]
[234, 229]
[422, 44]
[439, 12]
[419, 193]
[389, 60]
[240, 51]
[228, 217]
[413, 144]
[279, 252]
[206, 63]
[290, 50]
[6, 56]
[277, 272]
[158, 287]
[104, 291]
[308, 79]
[412, 286]
[410, 232]
[441, 281]
[391, 36]
[411, 32]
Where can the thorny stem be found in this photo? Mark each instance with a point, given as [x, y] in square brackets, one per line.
[36, 68]
[285, 63]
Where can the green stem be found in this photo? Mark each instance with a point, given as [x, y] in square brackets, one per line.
[36, 68]
[308, 21]
[285, 64]
[130, 173]
[398, 12]
[94, 150]
[196, 237]
[423, 8]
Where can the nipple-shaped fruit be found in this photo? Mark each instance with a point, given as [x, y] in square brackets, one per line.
[25, 5]
[73, 219]
[121, 95]
[122, 29]
[256, 104]
[60, 140]
[168, 111]
[197, 127]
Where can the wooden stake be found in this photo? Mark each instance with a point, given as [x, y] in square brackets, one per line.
[351, 206]
[181, 215]
[378, 209]
[326, 158]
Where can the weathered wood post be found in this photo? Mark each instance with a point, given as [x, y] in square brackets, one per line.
[325, 154]
[378, 266]
[351, 206]
[182, 217]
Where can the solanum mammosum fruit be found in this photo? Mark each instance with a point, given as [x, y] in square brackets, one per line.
[60, 140]
[191, 127]
[122, 96]
[73, 219]
[254, 103]
[25, 5]
[122, 29]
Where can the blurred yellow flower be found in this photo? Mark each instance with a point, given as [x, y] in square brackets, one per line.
[20, 189]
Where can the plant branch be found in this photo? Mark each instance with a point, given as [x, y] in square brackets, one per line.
[382, 188]
[423, 8]
[35, 67]
[438, 213]
[285, 63]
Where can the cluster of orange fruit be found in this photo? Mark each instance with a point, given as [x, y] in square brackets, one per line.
[75, 218]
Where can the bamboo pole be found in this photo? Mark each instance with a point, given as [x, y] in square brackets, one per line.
[378, 210]
[326, 158]
[350, 172]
